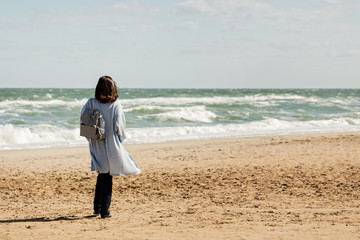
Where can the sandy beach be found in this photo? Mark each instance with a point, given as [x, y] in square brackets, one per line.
[277, 187]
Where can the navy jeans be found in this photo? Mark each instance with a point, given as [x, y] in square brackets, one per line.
[103, 192]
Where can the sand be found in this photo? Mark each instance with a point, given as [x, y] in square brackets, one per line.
[279, 187]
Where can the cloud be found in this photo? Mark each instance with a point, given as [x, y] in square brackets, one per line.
[235, 46]
[292, 46]
[252, 10]
[328, 48]
[136, 7]
[119, 29]
[193, 6]
[332, 1]
[343, 54]
[323, 14]
[230, 14]
[354, 52]
[100, 14]
[188, 25]
[252, 14]
[321, 27]
[218, 7]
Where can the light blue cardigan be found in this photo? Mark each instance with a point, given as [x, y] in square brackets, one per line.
[111, 156]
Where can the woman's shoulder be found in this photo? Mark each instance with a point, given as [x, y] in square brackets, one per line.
[117, 103]
[91, 100]
[117, 106]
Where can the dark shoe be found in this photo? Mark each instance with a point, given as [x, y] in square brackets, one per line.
[106, 216]
[97, 211]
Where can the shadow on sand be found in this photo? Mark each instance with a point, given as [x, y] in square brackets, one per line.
[45, 219]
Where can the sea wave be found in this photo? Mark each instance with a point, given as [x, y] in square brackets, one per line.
[265, 127]
[191, 114]
[40, 136]
[50, 117]
[251, 100]
[15, 137]
[153, 103]
[207, 100]
[42, 103]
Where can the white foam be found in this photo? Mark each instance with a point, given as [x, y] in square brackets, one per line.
[256, 100]
[192, 114]
[208, 100]
[146, 108]
[259, 128]
[15, 137]
[198, 113]
[42, 103]
[331, 102]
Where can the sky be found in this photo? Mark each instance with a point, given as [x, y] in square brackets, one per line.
[180, 44]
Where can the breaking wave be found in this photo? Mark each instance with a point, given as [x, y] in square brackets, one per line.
[37, 118]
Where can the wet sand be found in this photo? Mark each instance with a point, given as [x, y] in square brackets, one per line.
[279, 187]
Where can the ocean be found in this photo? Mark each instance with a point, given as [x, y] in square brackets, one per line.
[43, 118]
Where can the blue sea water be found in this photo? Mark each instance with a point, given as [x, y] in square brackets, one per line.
[37, 118]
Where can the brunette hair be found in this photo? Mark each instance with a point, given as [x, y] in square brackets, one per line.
[106, 90]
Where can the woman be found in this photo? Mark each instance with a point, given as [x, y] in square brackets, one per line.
[108, 158]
